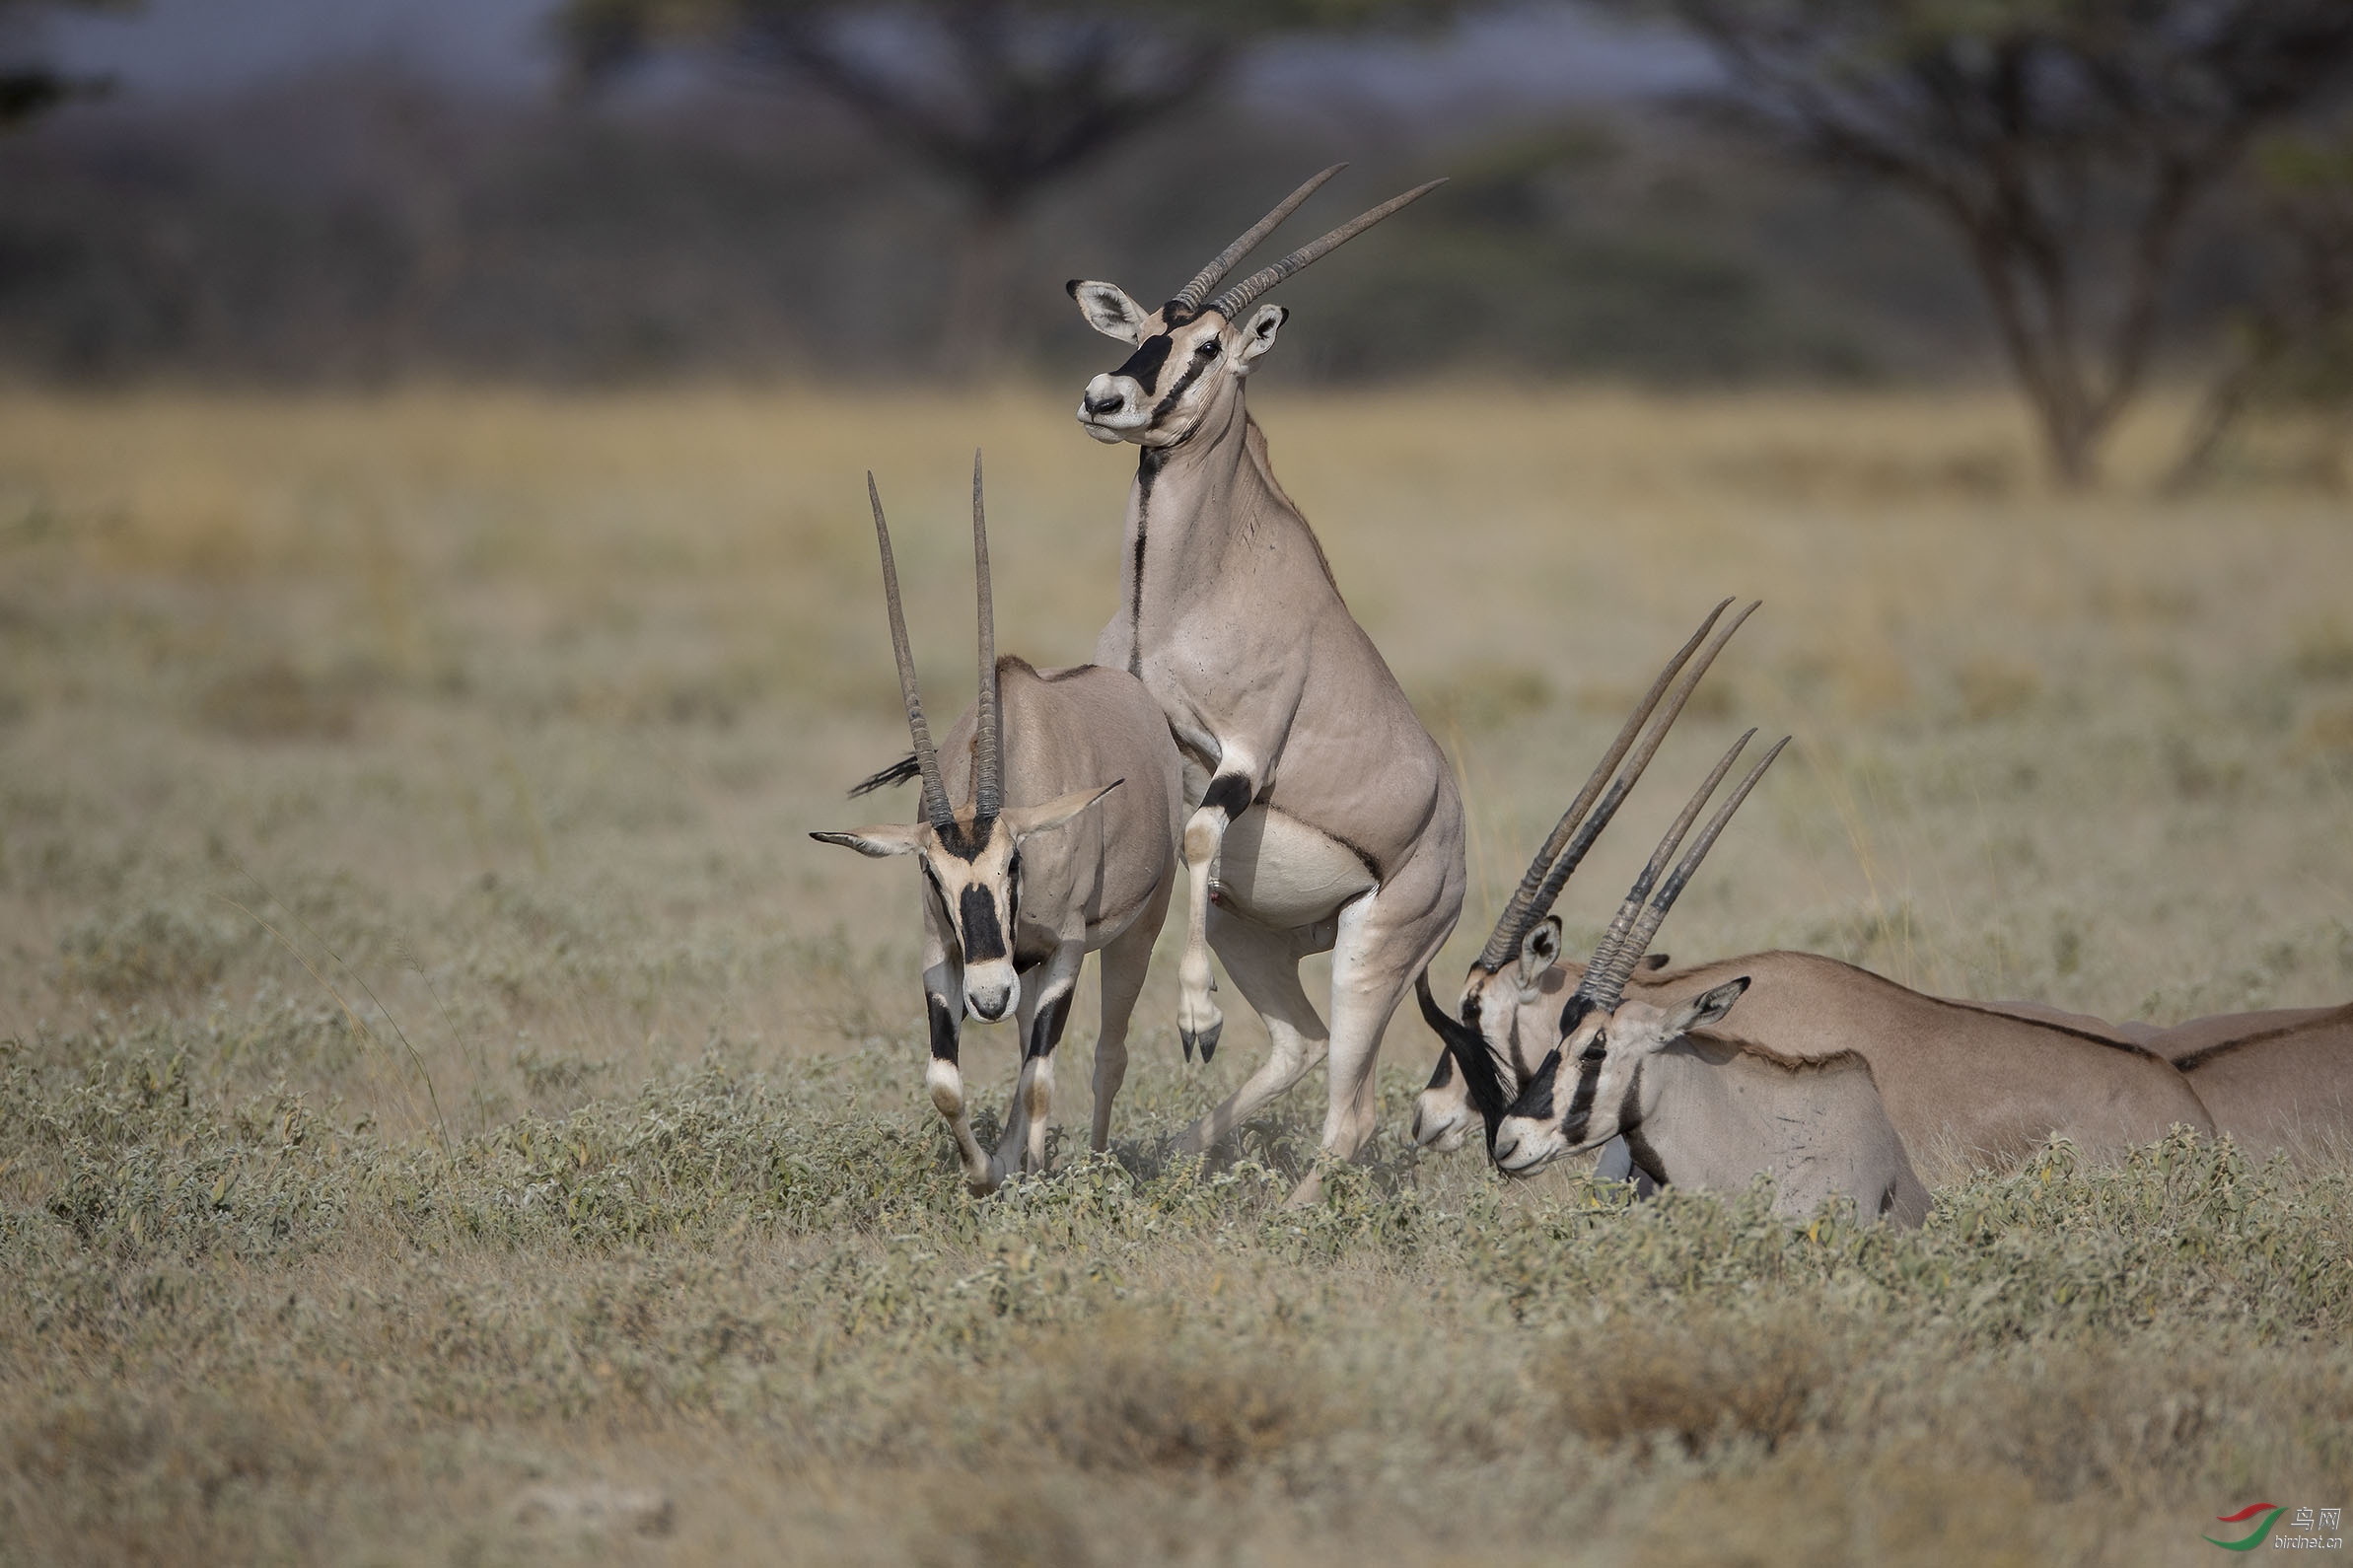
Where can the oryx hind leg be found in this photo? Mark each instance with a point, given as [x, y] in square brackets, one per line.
[1264, 964]
[1385, 939]
[1121, 967]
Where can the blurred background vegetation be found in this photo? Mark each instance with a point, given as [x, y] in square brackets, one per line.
[2078, 195]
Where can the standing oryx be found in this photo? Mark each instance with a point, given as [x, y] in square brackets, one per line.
[1325, 816]
[1011, 909]
[1696, 1112]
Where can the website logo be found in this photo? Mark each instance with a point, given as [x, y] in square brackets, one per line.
[2312, 1528]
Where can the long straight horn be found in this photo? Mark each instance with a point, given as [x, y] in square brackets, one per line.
[1257, 283]
[1573, 855]
[936, 809]
[988, 736]
[1520, 911]
[1210, 276]
[1638, 940]
[1605, 981]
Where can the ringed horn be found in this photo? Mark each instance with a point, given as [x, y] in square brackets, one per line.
[1629, 934]
[1257, 283]
[988, 738]
[1575, 832]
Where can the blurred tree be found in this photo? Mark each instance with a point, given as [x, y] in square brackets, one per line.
[1000, 97]
[2293, 343]
[2066, 141]
[29, 85]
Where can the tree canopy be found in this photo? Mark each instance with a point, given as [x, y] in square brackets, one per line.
[2066, 142]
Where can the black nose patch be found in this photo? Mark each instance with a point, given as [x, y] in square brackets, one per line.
[1146, 362]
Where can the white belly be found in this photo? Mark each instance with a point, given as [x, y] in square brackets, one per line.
[1282, 873]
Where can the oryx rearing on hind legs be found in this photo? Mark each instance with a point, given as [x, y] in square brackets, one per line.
[1326, 816]
[1011, 909]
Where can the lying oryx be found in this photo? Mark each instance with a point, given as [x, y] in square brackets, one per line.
[2286, 1082]
[1010, 910]
[1325, 816]
[1963, 1081]
[1694, 1112]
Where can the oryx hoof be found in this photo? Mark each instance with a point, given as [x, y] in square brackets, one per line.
[1205, 1040]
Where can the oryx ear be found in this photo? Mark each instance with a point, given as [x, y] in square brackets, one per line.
[879, 842]
[1027, 820]
[1652, 961]
[1539, 950]
[1108, 309]
[1707, 1008]
[1258, 337]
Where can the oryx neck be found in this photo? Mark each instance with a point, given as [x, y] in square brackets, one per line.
[1191, 506]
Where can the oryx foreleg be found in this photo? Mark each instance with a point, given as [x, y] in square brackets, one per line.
[1046, 994]
[944, 1001]
[1228, 795]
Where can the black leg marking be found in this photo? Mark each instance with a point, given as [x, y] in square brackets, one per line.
[1229, 793]
[942, 1028]
[1046, 1029]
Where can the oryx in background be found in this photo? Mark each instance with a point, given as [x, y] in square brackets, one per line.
[1066, 843]
[2278, 1079]
[1695, 1111]
[1326, 816]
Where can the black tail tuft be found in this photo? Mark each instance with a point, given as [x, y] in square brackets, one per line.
[897, 772]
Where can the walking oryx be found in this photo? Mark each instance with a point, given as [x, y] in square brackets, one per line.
[1325, 816]
[2283, 1085]
[1011, 909]
[1695, 1111]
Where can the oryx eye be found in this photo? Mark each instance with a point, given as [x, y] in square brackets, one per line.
[1208, 347]
[1596, 1051]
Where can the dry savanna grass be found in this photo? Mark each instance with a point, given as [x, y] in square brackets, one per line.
[449, 1110]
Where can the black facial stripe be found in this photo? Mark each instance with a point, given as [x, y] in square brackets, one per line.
[1573, 1011]
[1229, 793]
[943, 1026]
[1536, 1100]
[966, 846]
[1581, 1103]
[1146, 362]
[1444, 1073]
[1046, 1029]
[931, 879]
[984, 937]
[1192, 373]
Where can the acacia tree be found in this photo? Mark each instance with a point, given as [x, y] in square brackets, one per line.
[2292, 341]
[2066, 142]
[1001, 99]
